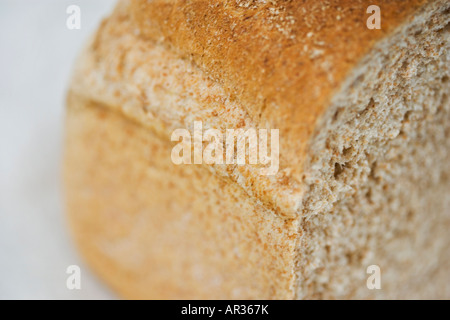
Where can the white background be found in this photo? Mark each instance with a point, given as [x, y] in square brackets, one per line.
[36, 56]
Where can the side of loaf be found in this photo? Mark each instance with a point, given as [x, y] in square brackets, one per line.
[364, 177]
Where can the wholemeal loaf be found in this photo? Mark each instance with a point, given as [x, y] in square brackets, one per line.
[363, 178]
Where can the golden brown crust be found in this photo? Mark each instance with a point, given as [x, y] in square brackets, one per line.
[153, 230]
[282, 60]
[152, 85]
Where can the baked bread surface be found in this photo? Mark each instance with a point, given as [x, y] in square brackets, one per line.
[354, 108]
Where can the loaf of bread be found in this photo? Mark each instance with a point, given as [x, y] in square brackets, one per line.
[363, 178]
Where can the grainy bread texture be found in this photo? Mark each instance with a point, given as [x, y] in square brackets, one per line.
[364, 120]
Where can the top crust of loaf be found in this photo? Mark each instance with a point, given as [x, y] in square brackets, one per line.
[262, 64]
[281, 60]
